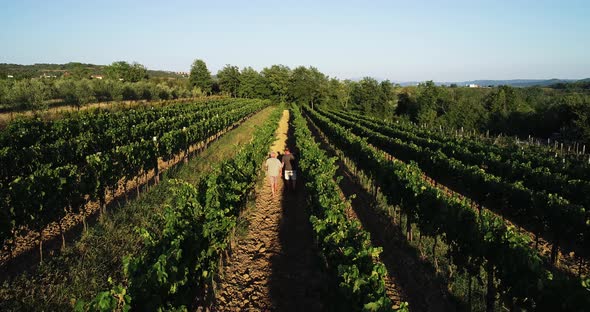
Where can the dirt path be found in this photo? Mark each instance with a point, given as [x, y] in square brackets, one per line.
[410, 278]
[275, 267]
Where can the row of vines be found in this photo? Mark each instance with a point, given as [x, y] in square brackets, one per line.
[344, 244]
[514, 271]
[51, 168]
[181, 259]
[533, 198]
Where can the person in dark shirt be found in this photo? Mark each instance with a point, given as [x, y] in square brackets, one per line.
[290, 167]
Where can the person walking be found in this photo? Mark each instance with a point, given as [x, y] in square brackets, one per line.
[290, 164]
[273, 170]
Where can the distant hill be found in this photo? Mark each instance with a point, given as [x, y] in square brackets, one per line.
[494, 83]
[582, 84]
[516, 82]
[37, 70]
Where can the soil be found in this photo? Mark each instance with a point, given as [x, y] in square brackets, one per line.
[276, 265]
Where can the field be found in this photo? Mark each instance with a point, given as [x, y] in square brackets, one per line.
[167, 207]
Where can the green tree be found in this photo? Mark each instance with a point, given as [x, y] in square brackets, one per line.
[66, 89]
[78, 70]
[76, 93]
[336, 94]
[253, 84]
[200, 76]
[367, 95]
[308, 85]
[28, 94]
[107, 90]
[582, 122]
[387, 103]
[277, 77]
[127, 72]
[466, 112]
[229, 80]
[84, 93]
[4, 90]
[504, 101]
[407, 104]
[129, 93]
[427, 102]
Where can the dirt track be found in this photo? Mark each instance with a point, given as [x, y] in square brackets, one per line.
[275, 266]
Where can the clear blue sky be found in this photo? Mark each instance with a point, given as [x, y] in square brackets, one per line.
[398, 40]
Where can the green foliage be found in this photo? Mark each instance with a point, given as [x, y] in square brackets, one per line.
[307, 85]
[346, 247]
[200, 77]
[76, 93]
[229, 80]
[28, 94]
[277, 77]
[253, 84]
[114, 300]
[52, 165]
[181, 262]
[475, 237]
[532, 205]
[367, 94]
[124, 71]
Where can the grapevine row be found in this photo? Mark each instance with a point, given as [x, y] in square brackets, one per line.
[536, 178]
[72, 139]
[345, 246]
[541, 158]
[548, 215]
[475, 238]
[181, 263]
[35, 200]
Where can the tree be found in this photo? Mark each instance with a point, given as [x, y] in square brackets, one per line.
[582, 122]
[107, 90]
[367, 95]
[77, 93]
[127, 72]
[200, 76]
[253, 84]
[78, 70]
[229, 80]
[84, 93]
[5, 86]
[277, 77]
[28, 94]
[504, 101]
[427, 102]
[308, 85]
[387, 103]
[407, 105]
[335, 94]
[129, 93]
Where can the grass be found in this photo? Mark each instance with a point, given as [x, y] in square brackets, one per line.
[83, 269]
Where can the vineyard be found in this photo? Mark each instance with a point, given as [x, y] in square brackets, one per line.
[378, 206]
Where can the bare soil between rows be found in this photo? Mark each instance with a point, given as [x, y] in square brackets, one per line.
[275, 267]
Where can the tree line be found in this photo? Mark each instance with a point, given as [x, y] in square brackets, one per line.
[80, 85]
[560, 111]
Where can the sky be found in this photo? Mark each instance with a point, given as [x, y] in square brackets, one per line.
[396, 40]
